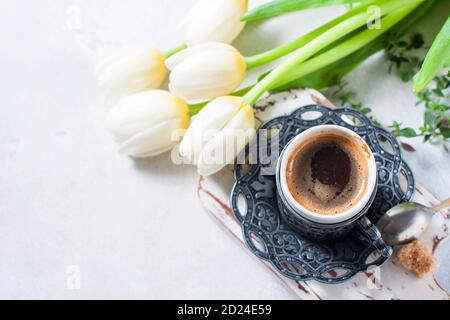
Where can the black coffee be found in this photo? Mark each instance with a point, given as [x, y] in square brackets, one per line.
[327, 174]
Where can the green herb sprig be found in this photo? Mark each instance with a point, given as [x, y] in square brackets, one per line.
[402, 58]
[402, 55]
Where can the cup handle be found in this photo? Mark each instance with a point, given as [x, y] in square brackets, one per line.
[370, 233]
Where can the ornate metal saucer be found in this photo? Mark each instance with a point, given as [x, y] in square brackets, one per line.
[254, 199]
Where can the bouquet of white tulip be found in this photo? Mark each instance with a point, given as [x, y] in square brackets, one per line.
[205, 67]
[151, 122]
[142, 68]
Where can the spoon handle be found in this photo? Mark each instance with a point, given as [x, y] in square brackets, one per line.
[444, 204]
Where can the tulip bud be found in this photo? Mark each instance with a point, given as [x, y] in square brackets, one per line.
[214, 20]
[131, 70]
[148, 123]
[206, 71]
[218, 134]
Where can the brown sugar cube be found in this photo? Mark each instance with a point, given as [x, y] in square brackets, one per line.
[417, 258]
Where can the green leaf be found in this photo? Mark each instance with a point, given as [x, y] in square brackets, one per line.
[417, 41]
[408, 133]
[279, 7]
[402, 44]
[447, 63]
[395, 125]
[281, 51]
[445, 131]
[322, 78]
[437, 57]
[330, 74]
[439, 93]
[407, 75]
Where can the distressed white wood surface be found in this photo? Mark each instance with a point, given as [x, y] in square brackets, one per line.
[391, 282]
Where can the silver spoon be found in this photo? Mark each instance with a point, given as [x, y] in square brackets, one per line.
[405, 222]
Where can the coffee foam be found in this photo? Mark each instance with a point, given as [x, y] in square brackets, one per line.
[327, 174]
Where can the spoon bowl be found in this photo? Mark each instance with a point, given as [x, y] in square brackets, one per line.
[407, 221]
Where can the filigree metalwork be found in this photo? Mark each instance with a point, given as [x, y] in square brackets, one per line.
[254, 202]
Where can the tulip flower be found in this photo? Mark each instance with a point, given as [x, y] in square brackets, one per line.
[206, 71]
[218, 134]
[148, 123]
[131, 70]
[214, 20]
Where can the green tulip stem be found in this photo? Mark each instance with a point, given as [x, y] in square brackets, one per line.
[347, 47]
[317, 44]
[174, 51]
[283, 50]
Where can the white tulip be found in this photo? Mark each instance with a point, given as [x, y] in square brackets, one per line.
[206, 71]
[131, 70]
[218, 134]
[148, 123]
[214, 20]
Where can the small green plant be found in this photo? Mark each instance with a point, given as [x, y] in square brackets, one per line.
[403, 57]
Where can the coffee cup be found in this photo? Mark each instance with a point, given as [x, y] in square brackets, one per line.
[326, 182]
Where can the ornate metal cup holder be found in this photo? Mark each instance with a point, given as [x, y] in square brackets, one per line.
[254, 200]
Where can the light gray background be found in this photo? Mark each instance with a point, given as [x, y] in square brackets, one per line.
[135, 229]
